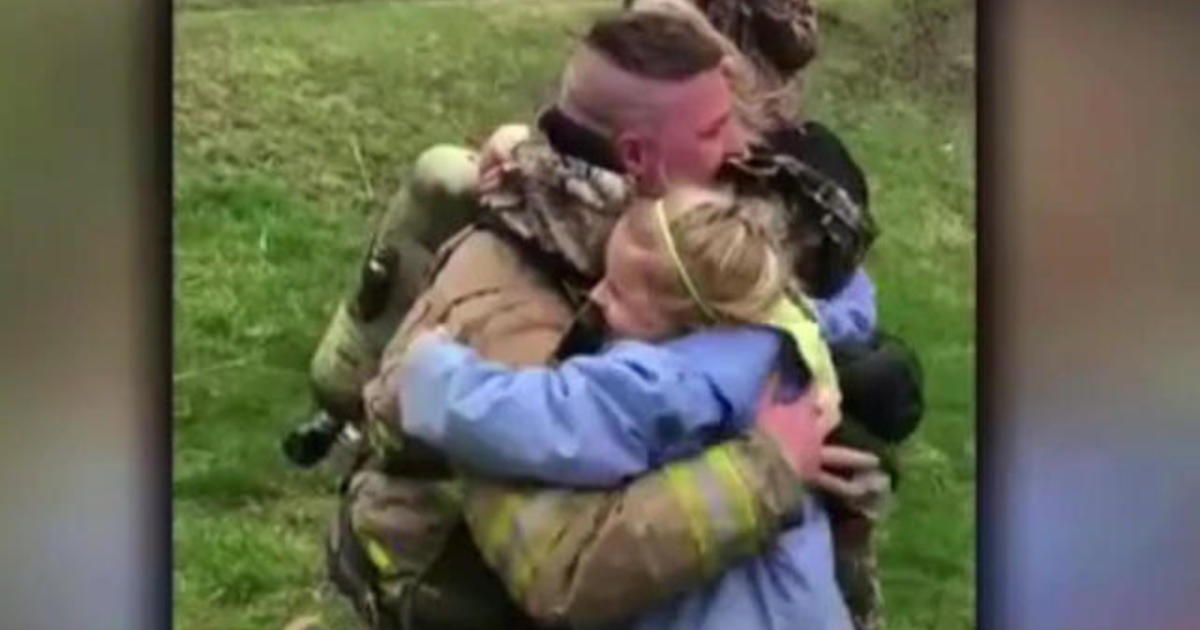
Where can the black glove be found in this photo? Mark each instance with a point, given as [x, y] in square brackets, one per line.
[310, 441]
[882, 386]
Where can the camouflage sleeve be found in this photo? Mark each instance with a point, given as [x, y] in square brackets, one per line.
[586, 558]
[779, 36]
[787, 33]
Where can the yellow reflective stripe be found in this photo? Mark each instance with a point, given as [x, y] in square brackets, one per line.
[382, 437]
[378, 554]
[683, 481]
[522, 572]
[539, 520]
[499, 531]
[519, 527]
[797, 319]
[738, 495]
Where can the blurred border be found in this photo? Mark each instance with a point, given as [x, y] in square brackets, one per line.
[161, 30]
[85, 266]
[989, 559]
[1089, 354]
[1089, 298]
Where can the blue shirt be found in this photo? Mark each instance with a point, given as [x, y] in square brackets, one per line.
[849, 314]
[597, 420]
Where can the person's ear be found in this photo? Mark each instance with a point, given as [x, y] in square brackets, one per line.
[728, 68]
[635, 153]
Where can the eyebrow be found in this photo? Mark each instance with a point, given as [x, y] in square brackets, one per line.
[715, 125]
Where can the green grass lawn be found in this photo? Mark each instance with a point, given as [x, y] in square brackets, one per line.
[292, 126]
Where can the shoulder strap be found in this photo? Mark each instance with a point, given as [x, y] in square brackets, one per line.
[562, 275]
[445, 250]
[586, 334]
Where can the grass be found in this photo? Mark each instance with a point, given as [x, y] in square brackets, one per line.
[292, 126]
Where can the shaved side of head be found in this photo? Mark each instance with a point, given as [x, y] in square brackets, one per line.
[631, 68]
[604, 97]
[656, 89]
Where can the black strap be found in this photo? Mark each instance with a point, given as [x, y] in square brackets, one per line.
[586, 333]
[568, 279]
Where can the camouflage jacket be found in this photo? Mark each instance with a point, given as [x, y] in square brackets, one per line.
[778, 36]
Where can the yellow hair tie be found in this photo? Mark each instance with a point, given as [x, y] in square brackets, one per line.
[683, 274]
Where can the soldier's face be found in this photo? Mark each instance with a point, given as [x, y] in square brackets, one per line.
[695, 132]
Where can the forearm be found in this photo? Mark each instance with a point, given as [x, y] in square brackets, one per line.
[591, 558]
[553, 425]
[591, 421]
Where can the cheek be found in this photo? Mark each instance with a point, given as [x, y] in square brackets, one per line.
[649, 320]
[678, 152]
[608, 309]
[704, 159]
[654, 328]
[714, 149]
[620, 323]
[625, 321]
[684, 165]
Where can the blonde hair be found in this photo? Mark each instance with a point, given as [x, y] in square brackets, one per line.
[725, 248]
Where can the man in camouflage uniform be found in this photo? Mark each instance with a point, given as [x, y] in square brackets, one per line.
[510, 286]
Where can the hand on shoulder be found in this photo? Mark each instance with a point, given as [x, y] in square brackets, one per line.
[497, 151]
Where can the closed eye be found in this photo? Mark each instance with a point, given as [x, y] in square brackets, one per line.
[610, 287]
[714, 129]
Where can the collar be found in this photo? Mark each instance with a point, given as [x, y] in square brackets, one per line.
[568, 137]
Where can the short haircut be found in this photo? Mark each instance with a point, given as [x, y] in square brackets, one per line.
[654, 45]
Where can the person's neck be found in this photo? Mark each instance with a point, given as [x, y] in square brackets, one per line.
[572, 138]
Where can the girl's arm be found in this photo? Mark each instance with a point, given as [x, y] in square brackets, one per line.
[593, 420]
